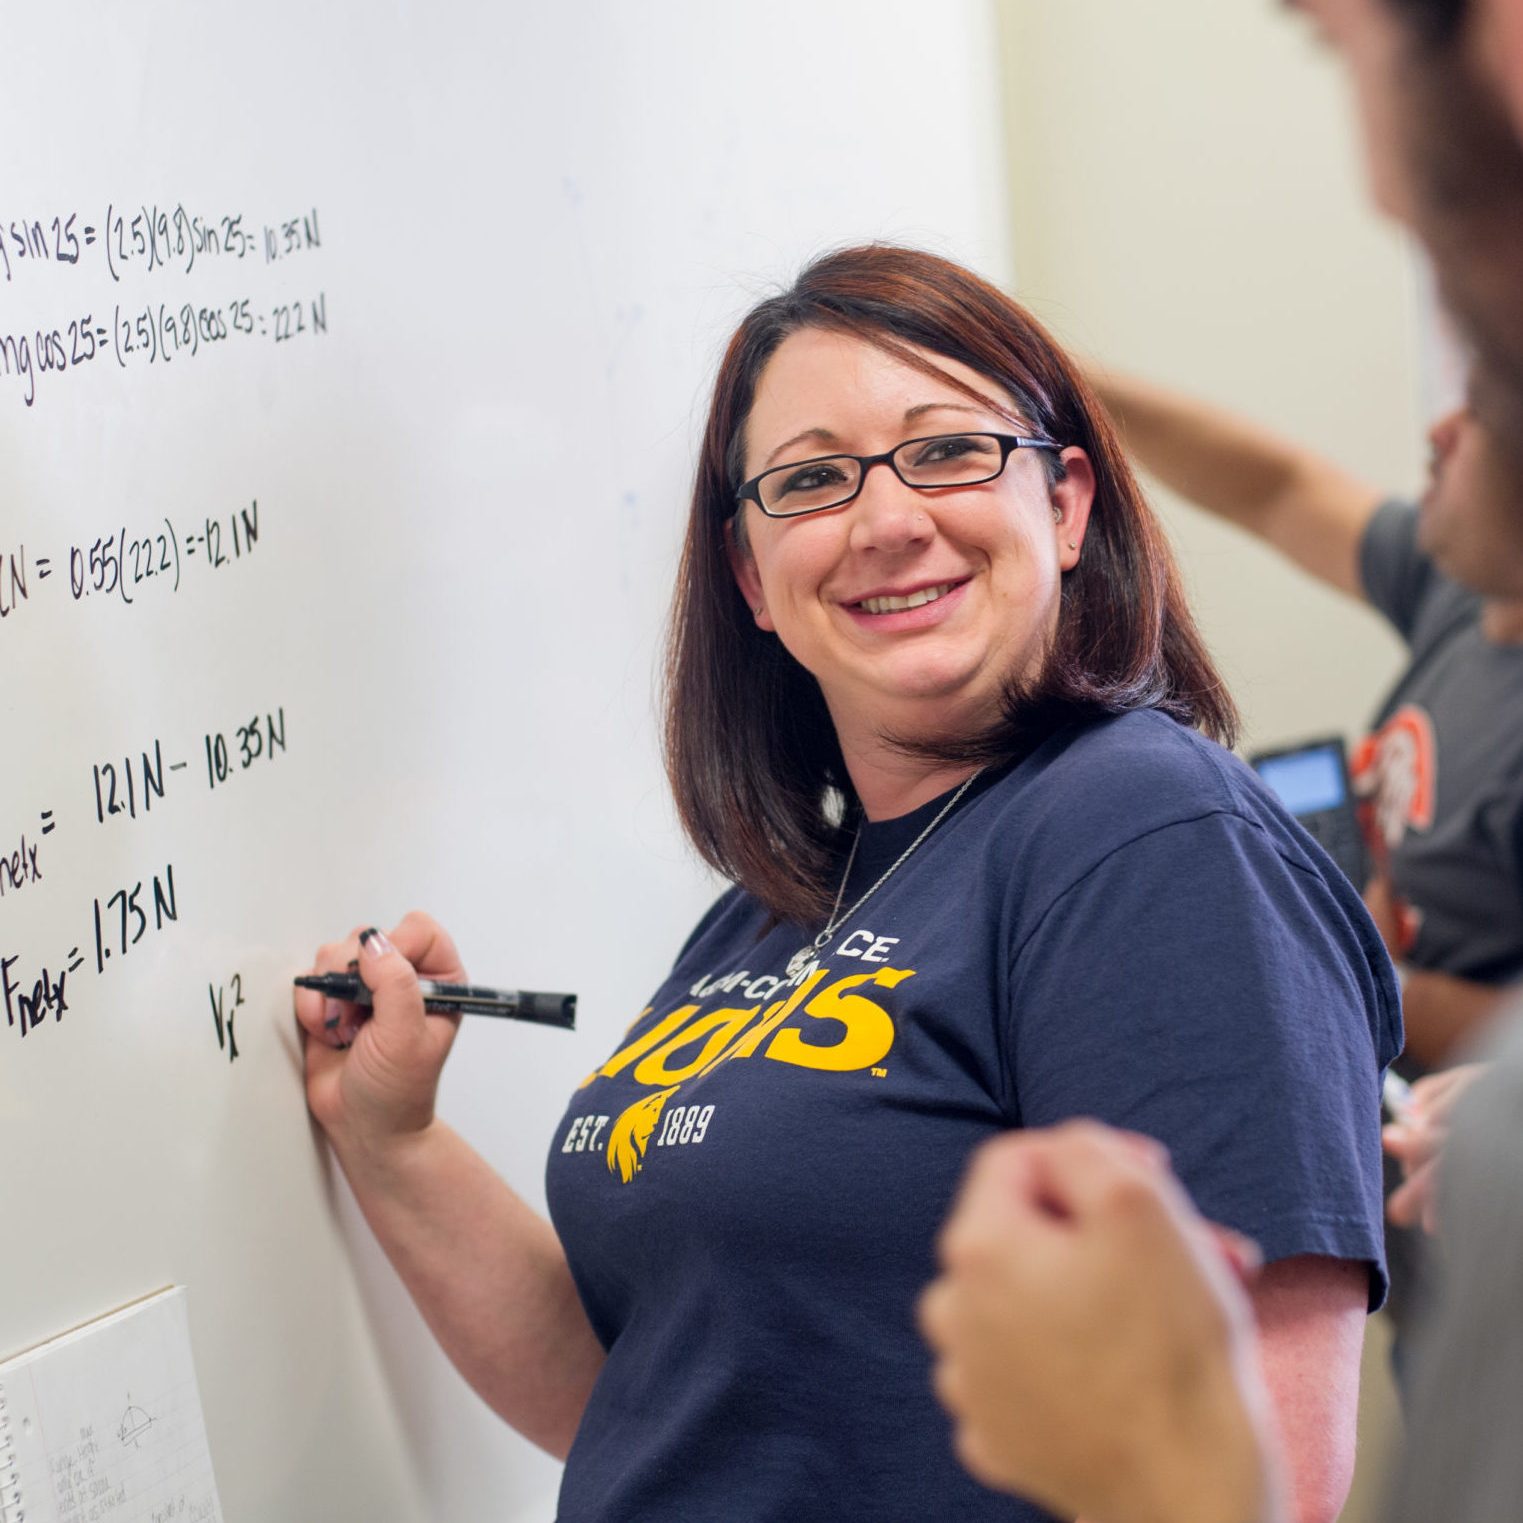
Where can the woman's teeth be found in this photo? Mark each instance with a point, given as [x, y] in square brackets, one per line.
[913, 600]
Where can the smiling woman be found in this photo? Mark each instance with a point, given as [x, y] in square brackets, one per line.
[936, 707]
[916, 609]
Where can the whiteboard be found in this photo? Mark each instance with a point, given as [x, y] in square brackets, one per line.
[351, 358]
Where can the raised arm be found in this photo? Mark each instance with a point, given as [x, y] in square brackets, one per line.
[487, 1272]
[1303, 505]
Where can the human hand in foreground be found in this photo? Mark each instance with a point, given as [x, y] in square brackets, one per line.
[372, 1075]
[1093, 1341]
[1417, 1139]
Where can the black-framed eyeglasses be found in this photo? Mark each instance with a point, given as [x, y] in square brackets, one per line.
[832, 481]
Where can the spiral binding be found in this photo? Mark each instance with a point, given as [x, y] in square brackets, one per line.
[11, 1510]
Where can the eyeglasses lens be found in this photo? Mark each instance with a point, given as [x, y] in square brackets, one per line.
[948, 460]
[811, 485]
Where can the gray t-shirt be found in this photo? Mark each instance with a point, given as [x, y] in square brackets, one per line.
[1443, 769]
[1461, 1459]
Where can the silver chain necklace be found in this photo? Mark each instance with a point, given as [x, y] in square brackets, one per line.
[811, 950]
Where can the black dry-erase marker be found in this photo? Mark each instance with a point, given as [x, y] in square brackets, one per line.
[469, 999]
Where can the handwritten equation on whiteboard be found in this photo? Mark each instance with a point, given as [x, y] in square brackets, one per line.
[127, 562]
[39, 988]
[155, 244]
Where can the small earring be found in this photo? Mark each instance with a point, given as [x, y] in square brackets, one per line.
[759, 608]
[1072, 545]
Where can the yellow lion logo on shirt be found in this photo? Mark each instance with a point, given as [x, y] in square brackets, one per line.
[630, 1135]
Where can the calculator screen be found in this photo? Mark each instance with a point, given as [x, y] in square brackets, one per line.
[1306, 781]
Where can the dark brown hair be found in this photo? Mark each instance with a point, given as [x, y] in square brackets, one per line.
[750, 748]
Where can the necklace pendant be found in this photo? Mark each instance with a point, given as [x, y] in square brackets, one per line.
[801, 960]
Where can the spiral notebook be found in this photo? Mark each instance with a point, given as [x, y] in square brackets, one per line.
[103, 1423]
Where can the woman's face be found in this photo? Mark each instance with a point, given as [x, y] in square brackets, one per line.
[832, 585]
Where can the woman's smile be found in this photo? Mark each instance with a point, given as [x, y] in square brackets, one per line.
[877, 606]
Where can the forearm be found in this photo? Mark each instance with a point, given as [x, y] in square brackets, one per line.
[1303, 505]
[1311, 1315]
[489, 1276]
[1444, 1014]
[1209, 456]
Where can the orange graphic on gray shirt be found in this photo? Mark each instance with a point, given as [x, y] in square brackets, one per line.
[1395, 773]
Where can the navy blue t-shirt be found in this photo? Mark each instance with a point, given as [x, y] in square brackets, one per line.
[1124, 925]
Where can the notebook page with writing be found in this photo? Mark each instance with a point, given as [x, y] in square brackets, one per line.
[103, 1423]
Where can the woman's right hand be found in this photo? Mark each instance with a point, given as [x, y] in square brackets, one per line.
[372, 1076]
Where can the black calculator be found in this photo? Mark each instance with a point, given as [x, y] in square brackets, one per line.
[1312, 781]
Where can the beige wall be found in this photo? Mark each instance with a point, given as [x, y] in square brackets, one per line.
[1188, 204]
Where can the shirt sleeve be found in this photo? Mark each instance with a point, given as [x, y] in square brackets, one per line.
[1395, 572]
[1200, 987]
